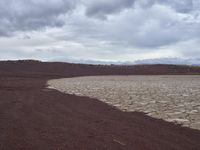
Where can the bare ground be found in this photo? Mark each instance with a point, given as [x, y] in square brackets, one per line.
[33, 117]
[172, 98]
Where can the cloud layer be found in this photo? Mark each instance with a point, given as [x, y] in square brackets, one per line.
[103, 30]
[102, 8]
[28, 15]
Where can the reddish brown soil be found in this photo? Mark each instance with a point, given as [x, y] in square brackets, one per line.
[35, 118]
[52, 70]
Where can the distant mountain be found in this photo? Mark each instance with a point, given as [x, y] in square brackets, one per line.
[89, 61]
[178, 61]
[37, 69]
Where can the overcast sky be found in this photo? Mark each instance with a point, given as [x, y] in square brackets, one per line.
[107, 30]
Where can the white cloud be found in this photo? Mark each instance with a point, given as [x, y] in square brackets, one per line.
[26, 15]
[102, 30]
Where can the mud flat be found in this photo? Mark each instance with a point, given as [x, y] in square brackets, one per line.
[174, 98]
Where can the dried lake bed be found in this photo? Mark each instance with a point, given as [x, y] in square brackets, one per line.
[174, 98]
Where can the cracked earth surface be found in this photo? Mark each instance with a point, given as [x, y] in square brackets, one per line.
[174, 98]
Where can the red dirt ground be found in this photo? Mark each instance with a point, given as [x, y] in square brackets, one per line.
[35, 118]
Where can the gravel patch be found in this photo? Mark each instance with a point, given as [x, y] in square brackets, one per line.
[172, 98]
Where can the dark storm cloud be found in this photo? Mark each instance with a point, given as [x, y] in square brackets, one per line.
[31, 14]
[104, 7]
[146, 23]
[183, 6]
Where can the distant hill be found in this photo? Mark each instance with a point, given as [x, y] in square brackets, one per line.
[178, 61]
[58, 69]
[172, 61]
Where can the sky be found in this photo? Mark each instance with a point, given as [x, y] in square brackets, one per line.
[103, 30]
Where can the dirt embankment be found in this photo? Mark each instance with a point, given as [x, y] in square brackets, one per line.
[35, 118]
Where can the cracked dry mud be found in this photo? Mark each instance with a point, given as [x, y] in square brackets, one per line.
[172, 98]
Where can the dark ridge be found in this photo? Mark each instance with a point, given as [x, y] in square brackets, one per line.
[58, 69]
